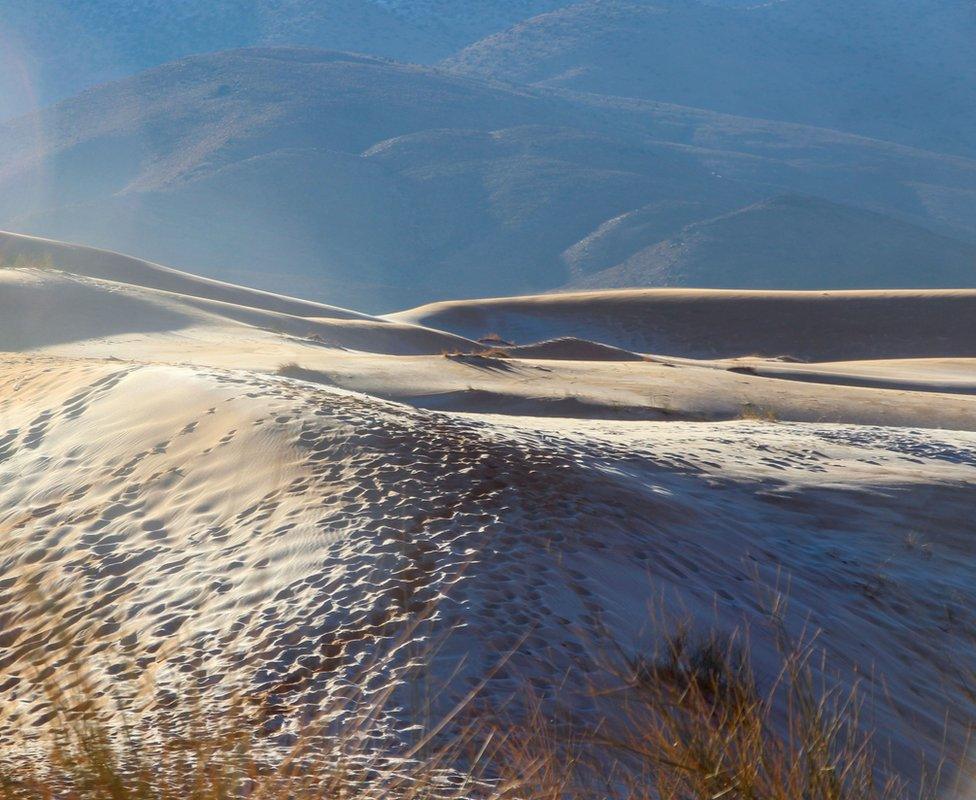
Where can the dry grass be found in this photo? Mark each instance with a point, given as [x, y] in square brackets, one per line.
[488, 354]
[494, 339]
[289, 369]
[689, 722]
[750, 411]
[21, 261]
[495, 352]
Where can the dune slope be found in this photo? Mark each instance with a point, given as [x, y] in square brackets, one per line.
[814, 326]
[225, 497]
[94, 263]
[57, 293]
[356, 520]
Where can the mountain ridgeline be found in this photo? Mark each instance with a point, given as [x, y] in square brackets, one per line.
[528, 147]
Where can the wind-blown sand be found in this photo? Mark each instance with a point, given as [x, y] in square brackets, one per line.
[210, 521]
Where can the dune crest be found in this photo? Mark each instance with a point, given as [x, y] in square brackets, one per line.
[354, 516]
[726, 323]
[262, 500]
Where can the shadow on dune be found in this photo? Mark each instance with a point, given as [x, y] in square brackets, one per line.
[40, 313]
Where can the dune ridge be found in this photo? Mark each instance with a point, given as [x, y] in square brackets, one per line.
[717, 323]
[355, 515]
[45, 307]
[96, 263]
[260, 503]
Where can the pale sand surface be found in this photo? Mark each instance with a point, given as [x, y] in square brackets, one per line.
[53, 313]
[713, 323]
[17, 249]
[265, 534]
[44, 308]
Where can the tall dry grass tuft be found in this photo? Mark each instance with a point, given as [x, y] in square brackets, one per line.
[689, 721]
[691, 724]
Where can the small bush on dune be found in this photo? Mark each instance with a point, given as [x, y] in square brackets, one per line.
[21, 261]
[749, 411]
[288, 369]
[494, 339]
[488, 354]
[692, 724]
[495, 352]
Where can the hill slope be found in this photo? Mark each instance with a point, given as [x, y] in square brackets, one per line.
[786, 242]
[698, 323]
[374, 185]
[55, 48]
[903, 71]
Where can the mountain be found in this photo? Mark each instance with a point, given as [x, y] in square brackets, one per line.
[785, 242]
[55, 48]
[373, 184]
[901, 71]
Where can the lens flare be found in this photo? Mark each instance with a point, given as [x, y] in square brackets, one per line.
[24, 129]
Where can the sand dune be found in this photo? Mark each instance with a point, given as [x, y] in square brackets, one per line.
[813, 326]
[44, 307]
[943, 375]
[569, 348]
[353, 515]
[667, 389]
[55, 313]
[193, 516]
[17, 249]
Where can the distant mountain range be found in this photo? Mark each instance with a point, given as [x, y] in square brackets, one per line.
[55, 48]
[800, 242]
[904, 71]
[541, 145]
[374, 184]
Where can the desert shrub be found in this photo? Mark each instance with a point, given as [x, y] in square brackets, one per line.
[750, 411]
[686, 721]
[487, 355]
[494, 339]
[495, 352]
[288, 369]
[20, 261]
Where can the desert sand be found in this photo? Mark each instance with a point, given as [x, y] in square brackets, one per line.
[723, 323]
[258, 494]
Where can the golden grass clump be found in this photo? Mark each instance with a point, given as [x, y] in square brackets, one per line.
[755, 413]
[687, 723]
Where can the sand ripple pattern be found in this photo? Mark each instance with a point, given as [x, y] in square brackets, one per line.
[267, 539]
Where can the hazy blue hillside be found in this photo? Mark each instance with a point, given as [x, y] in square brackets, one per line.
[375, 184]
[800, 242]
[54, 48]
[904, 71]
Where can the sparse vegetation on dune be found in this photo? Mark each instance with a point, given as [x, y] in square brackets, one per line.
[494, 339]
[750, 411]
[495, 352]
[21, 261]
[288, 369]
[690, 721]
